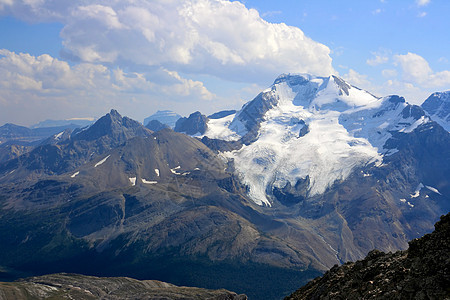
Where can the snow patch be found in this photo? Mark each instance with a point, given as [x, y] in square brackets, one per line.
[417, 191]
[132, 180]
[75, 174]
[403, 200]
[411, 205]
[157, 172]
[59, 135]
[435, 190]
[414, 125]
[101, 162]
[149, 181]
[174, 170]
[219, 129]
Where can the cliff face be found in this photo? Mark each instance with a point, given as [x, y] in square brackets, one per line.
[73, 286]
[421, 272]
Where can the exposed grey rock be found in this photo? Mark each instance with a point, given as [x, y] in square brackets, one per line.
[421, 272]
[155, 125]
[194, 124]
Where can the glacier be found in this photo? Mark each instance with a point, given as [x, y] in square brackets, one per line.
[314, 129]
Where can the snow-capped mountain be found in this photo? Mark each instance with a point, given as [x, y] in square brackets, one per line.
[438, 107]
[167, 117]
[311, 130]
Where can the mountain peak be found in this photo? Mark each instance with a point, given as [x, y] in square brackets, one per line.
[115, 114]
[294, 78]
[438, 107]
[195, 123]
[115, 126]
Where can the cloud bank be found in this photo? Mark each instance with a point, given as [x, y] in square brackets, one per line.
[45, 87]
[215, 37]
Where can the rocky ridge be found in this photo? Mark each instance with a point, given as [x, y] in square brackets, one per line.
[421, 272]
[73, 286]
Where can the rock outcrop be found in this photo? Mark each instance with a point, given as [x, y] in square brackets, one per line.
[421, 272]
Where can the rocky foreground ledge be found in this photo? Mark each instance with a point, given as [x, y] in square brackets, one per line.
[73, 286]
[421, 272]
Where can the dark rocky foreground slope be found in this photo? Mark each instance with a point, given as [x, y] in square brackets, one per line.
[421, 272]
[73, 286]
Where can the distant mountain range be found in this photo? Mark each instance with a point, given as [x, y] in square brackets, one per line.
[79, 122]
[312, 172]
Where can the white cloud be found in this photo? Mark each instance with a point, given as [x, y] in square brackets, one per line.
[422, 2]
[38, 87]
[413, 93]
[415, 69]
[378, 59]
[215, 37]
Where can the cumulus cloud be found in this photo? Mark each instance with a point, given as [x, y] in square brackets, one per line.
[216, 37]
[44, 87]
[415, 69]
[377, 60]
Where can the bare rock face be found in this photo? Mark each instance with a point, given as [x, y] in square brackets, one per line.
[421, 272]
[73, 286]
[196, 123]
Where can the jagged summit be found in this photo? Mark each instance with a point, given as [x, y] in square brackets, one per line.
[118, 128]
[194, 124]
[65, 151]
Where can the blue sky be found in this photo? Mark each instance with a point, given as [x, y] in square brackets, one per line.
[64, 59]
